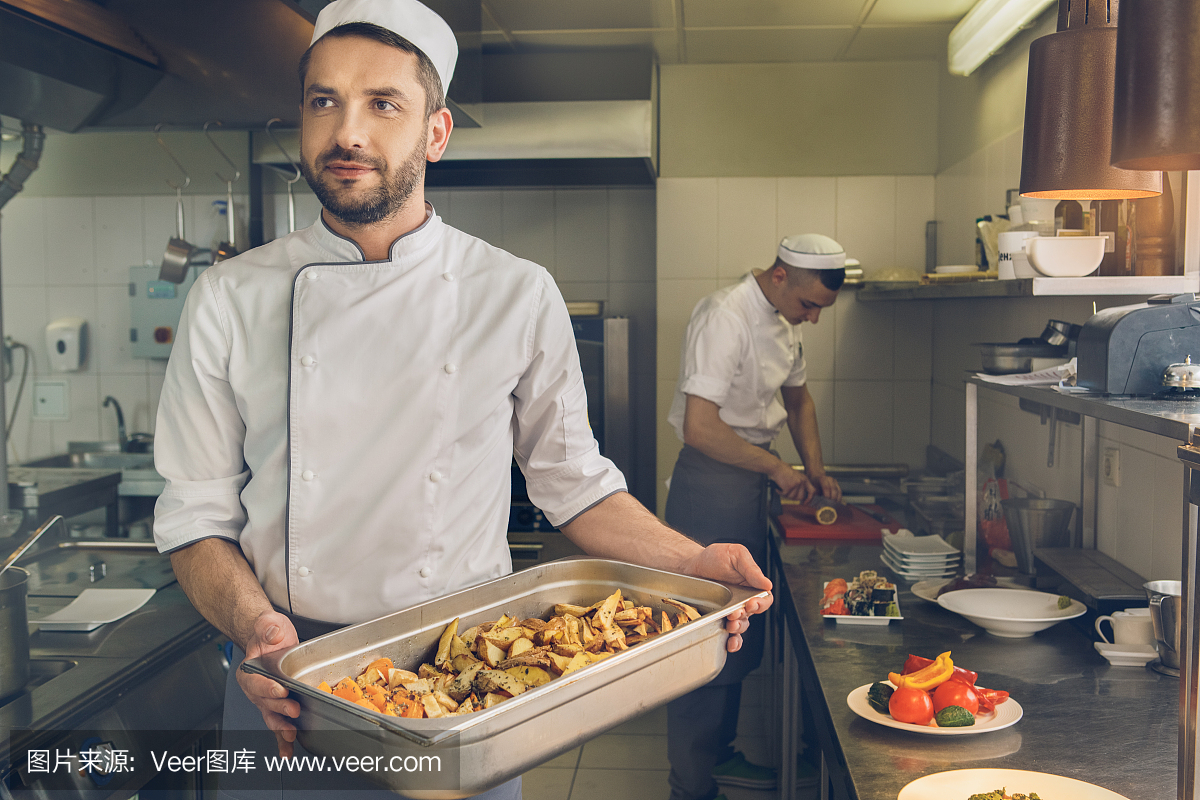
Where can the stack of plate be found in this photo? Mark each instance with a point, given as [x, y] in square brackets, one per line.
[916, 558]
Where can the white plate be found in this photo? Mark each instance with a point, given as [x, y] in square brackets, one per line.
[962, 783]
[905, 542]
[955, 269]
[95, 607]
[850, 619]
[922, 561]
[928, 590]
[1009, 614]
[1126, 655]
[1007, 713]
[910, 573]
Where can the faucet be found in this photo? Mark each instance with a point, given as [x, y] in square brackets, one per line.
[122, 439]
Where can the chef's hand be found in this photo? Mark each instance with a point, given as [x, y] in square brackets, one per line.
[828, 487]
[272, 631]
[793, 484]
[732, 563]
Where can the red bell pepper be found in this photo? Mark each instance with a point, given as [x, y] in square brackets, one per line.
[915, 663]
[989, 699]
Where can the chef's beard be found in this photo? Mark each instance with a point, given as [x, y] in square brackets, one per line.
[394, 189]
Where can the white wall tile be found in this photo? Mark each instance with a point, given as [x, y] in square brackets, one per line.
[573, 291]
[84, 404]
[1166, 562]
[820, 344]
[529, 225]
[914, 207]
[806, 205]
[676, 300]
[75, 301]
[154, 386]
[23, 241]
[1133, 544]
[110, 334]
[158, 226]
[133, 395]
[864, 333]
[481, 214]
[687, 228]
[745, 225]
[862, 422]
[308, 210]
[998, 182]
[822, 394]
[1012, 158]
[631, 235]
[866, 221]
[119, 239]
[912, 341]
[70, 241]
[910, 422]
[580, 234]
[25, 320]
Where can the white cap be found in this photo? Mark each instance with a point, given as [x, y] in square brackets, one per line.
[408, 18]
[812, 251]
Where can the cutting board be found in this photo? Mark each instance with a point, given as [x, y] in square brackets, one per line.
[852, 525]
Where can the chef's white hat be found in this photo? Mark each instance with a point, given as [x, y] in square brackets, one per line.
[812, 251]
[408, 18]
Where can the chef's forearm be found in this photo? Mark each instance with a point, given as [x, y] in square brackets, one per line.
[802, 424]
[221, 585]
[620, 527]
[704, 430]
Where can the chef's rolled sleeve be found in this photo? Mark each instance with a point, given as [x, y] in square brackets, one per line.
[713, 353]
[199, 432]
[552, 440]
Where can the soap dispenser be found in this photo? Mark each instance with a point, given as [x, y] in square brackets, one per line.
[66, 342]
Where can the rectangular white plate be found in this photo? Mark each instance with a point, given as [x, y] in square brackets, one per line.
[907, 543]
[850, 619]
[95, 607]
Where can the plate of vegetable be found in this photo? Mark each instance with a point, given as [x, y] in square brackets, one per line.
[933, 696]
[1002, 784]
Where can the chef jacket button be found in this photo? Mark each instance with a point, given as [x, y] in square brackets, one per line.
[312, 274]
[448, 276]
[308, 475]
[308, 361]
[425, 572]
[435, 476]
[450, 369]
[303, 572]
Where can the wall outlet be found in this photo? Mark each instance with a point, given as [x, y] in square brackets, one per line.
[50, 400]
[1110, 466]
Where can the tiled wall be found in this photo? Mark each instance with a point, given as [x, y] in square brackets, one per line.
[869, 363]
[69, 256]
[1140, 522]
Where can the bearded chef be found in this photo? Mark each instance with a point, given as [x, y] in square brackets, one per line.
[742, 353]
[342, 405]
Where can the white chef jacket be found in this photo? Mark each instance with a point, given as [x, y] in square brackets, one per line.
[737, 352]
[351, 425]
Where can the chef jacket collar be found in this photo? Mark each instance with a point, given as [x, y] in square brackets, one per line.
[758, 299]
[410, 244]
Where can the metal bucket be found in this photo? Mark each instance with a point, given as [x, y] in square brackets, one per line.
[1036, 522]
[14, 631]
[1164, 613]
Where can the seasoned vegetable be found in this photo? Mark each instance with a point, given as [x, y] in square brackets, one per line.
[927, 678]
[913, 706]
[954, 717]
[1064, 601]
[954, 693]
[878, 696]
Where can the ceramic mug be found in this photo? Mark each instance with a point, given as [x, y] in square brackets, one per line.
[1131, 626]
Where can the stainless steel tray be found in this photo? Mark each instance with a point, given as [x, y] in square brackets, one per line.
[494, 746]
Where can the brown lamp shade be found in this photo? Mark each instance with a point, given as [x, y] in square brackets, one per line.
[1068, 111]
[1156, 105]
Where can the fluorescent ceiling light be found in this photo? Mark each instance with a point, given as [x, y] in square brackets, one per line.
[986, 28]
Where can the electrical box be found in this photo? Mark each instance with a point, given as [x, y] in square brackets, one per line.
[155, 308]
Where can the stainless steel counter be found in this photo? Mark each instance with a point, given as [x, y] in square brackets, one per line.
[1116, 727]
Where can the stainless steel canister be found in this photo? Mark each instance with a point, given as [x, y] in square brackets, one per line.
[1164, 613]
[14, 631]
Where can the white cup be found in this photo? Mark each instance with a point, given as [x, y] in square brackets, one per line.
[1014, 263]
[1131, 626]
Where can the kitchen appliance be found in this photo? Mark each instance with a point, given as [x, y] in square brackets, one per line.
[14, 620]
[1036, 522]
[1124, 350]
[1165, 598]
[494, 745]
[155, 306]
[1000, 358]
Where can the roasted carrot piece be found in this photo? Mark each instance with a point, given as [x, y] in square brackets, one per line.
[367, 704]
[324, 687]
[381, 664]
[348, 690]
[375, 695]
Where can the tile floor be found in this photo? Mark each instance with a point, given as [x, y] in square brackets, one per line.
[630, 761]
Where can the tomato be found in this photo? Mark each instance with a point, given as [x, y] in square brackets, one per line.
[911, 705]
[956, 693]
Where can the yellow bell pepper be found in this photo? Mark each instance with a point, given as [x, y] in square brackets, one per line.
[928, 678]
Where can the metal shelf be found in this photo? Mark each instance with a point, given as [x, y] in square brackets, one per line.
[1092, 285]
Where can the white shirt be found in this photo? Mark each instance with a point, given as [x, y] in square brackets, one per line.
[351, 425]
[737, 352]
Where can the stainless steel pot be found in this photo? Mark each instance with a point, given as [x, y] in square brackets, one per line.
[14, 631]
[1164, 613]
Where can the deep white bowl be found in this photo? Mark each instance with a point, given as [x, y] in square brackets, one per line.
[1065, 256]
[1009, 613]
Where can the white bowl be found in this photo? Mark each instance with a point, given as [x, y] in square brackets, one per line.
[1008, 613]
[1065, 256]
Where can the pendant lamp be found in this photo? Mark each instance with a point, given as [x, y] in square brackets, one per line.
[1068, 111]
[1156, 107]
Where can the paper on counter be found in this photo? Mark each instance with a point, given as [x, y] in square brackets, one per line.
[95, 607]
[1051, 376]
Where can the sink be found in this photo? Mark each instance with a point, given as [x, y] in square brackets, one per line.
[138, 476]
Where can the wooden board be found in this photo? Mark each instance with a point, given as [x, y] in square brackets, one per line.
[852, 526]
